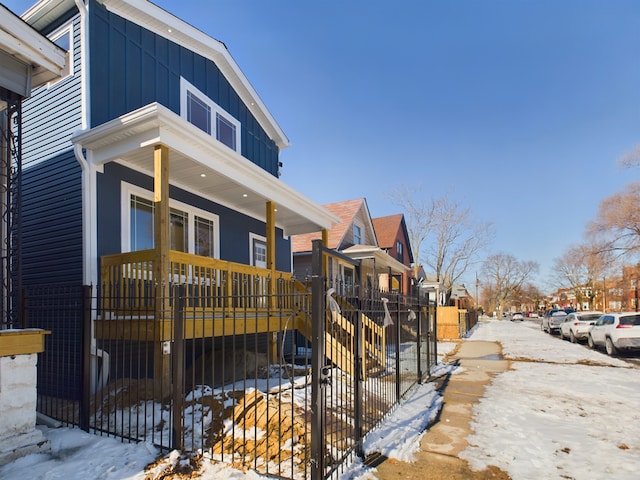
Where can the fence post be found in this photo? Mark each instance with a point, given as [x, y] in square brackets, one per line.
[358, 367]
[435, 333]
[85, 352]
[318, 304]
[398, 363]
[178, 366]
[419, 340]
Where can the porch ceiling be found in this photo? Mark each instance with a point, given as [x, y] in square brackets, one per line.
[200, 164]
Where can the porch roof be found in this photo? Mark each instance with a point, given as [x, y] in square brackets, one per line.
[28, 58]
[382, 258]
[198, 163]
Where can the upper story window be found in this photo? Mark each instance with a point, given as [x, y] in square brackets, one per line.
[63, 38]
[208, 116]
[357, 234]
[400, 251]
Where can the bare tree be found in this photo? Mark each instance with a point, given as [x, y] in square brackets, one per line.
[617, 224]
[451, 238]
[418, 217]
[631, 158]
[506, 276]
[581, 266]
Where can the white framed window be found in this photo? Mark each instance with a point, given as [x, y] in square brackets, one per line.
[63, 38]
[199, 110]
[191, 229]
[357, 234]
[400, 250]
[257, 250]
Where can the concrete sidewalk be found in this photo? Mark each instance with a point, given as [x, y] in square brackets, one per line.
[446, 437]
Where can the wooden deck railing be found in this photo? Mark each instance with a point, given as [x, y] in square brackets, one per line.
[218, 294]
[218, 283]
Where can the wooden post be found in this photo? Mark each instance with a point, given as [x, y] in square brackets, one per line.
[162, 357]
[271, 265]
[325, 260]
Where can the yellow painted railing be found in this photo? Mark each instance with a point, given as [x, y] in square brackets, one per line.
[218, 283]
[217, 289]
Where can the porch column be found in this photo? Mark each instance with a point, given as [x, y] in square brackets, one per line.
[162, 359]
[325, 258]
[271, 265]
[271, 236]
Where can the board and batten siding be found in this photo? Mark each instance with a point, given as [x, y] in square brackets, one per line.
[132, 67]
[51, 180]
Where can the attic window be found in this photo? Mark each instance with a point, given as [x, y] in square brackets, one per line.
[357, 235]
[199, 110]
[399, 250]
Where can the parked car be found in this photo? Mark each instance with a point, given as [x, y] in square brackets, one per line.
[576, 325]
[551, 320]
[517, 316]
[616, 331]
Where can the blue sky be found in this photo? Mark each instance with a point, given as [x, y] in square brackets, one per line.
[516, 109]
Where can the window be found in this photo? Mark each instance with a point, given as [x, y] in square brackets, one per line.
[63, 37]
[191, 230]
[141, 223]
[199, 110]
[258, 250]
[198, 113]
[400, 251]
[204, 233]
[357, 234]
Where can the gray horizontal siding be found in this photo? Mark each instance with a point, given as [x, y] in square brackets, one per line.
[52, 221]
[52, 113]
[51, 185]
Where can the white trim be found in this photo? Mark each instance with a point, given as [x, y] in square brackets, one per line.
[252, 238]
[66, 29]
[128, 189]
[19, 39]
[185, 87]
[128, 140]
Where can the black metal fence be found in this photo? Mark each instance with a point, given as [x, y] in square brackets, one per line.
[289, 388]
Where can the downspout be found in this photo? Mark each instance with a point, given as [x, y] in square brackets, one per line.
[99, 359]
[89, 228]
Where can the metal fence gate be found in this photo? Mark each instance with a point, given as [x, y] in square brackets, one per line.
[289, 388]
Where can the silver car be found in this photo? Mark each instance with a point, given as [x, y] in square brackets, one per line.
[552, 320]
[576, 325]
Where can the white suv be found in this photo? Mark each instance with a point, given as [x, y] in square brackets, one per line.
[576, 325]
[616, 331]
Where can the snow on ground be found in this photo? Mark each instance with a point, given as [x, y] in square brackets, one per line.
[573, 413]
[562, 412]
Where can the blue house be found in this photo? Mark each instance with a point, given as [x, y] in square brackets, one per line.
[154, 162]
[155, 124]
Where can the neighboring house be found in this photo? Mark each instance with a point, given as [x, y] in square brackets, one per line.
[27, 60]
[355, 238]
[155, 125]
[393, 238]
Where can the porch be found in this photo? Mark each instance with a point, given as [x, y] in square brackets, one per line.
[223, 299]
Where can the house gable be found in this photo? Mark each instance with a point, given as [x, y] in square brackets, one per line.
[341, 236]
[391, 231]
[139, 66]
